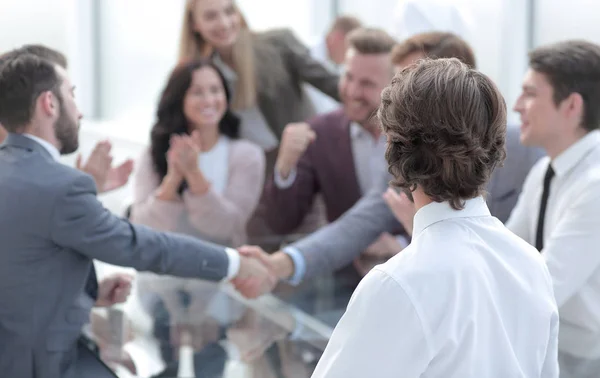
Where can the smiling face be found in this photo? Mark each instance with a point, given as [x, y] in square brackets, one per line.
[205, 101]
[217, 21]
[541, 119]
[360, 87]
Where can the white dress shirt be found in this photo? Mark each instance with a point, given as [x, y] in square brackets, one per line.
[571, 239]
[466, 299]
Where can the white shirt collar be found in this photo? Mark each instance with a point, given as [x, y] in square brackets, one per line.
[439, 211]
[573, 155]
[357, 131]
[53, 151]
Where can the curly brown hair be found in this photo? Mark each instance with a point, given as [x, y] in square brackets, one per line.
[446, 127]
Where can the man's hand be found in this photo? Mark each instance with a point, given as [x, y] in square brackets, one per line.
[294, 141]
[256, 276]
[385, 247]
[114, 289]
[402, 207]
[99, 167]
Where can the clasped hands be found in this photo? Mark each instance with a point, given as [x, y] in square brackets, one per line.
[260, 272]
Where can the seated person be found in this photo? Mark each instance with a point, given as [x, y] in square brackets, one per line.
[197, 177]
[335, 153]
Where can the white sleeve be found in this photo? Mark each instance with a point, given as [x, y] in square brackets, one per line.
[550, 368]
[519, 219]
[571, 251]
[380, 335]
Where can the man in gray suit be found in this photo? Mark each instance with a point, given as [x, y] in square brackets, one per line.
[52, 226]
[340, 242]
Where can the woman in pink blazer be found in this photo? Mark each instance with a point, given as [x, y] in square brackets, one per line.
[197, 177]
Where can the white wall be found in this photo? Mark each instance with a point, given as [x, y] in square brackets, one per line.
[495, 30]
[63, 25]
[555, 21]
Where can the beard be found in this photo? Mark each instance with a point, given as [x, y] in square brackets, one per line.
[66, 131]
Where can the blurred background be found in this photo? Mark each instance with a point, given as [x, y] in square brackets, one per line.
[120, 53]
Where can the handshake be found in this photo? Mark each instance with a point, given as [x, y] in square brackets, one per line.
[259, 272]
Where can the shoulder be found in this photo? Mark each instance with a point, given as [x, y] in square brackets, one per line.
[278, 35]
[242, 150]
[332, 121]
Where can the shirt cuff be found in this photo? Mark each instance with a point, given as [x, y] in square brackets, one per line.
[234, 263]
[298, 328]
[299, 265]
[284, 183]
[232, 351]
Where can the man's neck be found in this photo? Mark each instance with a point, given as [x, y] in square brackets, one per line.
[421, 199]
[563, 143]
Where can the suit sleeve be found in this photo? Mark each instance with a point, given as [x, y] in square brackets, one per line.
[307, 68]
[337, 244]
[287, 207]
[80, 223]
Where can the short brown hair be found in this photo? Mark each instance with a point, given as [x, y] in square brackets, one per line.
[572, 67]
[23, 78]
[435, 45]
[370, 41]
[40, 51]
[345, 24]
[446, 129]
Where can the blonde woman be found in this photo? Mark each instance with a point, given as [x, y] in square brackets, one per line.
[264, 70]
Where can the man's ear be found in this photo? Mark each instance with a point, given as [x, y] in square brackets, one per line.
[574, 107]
[47, 104]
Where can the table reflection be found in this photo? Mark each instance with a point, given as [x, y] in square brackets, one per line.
[204, 329]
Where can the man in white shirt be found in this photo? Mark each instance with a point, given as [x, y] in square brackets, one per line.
[467, 298]
[559, 208]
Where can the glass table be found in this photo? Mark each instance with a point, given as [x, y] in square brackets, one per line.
[192, 328]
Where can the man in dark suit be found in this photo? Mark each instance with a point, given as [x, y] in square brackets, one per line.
[52, 226]
[333, 155]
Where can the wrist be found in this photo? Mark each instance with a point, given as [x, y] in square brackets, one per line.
[197, 183]
[283, 265]
[283, 169]
[168, 188]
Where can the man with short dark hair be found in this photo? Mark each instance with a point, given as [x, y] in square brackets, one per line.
[559, 209]
[445, 306]
[98, 165]
[52, 226]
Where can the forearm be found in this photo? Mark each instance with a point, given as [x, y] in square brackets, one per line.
[213, 214]
[197, 183]
[337, 244]
[286, 208]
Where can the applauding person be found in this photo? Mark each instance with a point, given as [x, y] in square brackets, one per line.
[197, 177]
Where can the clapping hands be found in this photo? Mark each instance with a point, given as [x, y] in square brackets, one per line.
[99, 166]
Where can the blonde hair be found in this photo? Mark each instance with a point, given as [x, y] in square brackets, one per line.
[193, 46]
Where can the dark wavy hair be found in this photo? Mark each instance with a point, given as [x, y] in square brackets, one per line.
[446, 129]
[171, 119]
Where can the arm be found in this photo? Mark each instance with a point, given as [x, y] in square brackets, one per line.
[306, 67]
[287, 207]
[550, 368]
[338, 243]
[148, 207]
[225, 215]
[571, 252]
[80, 223]
[380, 335]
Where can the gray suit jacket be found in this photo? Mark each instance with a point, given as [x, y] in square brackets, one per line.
[51, 227]
[337, 244]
